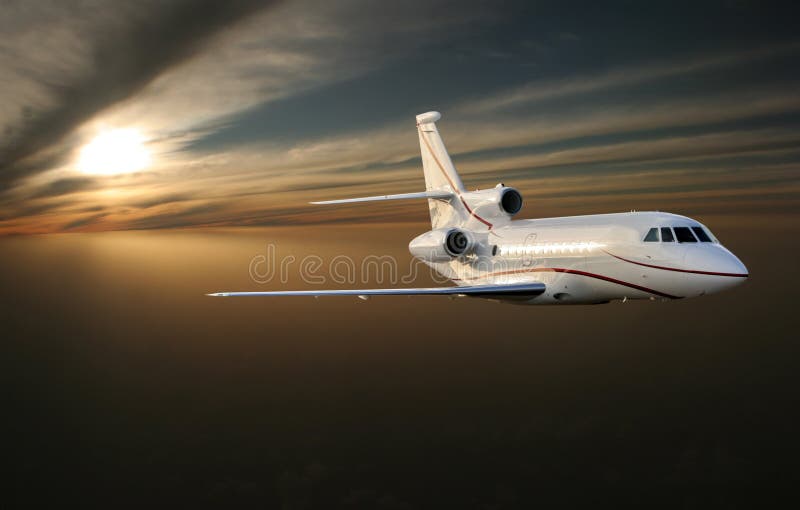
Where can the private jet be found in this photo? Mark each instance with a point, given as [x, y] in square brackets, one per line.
[589, 259]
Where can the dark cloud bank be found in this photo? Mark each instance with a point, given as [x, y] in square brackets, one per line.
[123, 60]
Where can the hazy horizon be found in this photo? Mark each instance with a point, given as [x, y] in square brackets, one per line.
[130, 386]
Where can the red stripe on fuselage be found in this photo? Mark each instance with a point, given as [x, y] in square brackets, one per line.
[692, 271]
[441, 168]
[473, 214]
[577, 272]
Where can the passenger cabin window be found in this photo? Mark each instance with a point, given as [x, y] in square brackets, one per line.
[684, 235]
[652, 236]
[666, 235]
[702, 235]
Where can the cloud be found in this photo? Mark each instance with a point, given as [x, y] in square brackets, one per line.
[83, 222]
[290, 50]
[662, 149]
[548, 90]
[64, 187]
[180, 71]
[153, 201]
[605, 133]
[110, 50]
[188, 216]
[564, 140]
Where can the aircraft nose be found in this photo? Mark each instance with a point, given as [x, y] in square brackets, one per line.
[735, 266]
[734, 271]
[715, 269]
[716, 260]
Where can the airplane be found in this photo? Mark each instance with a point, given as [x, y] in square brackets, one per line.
[589, 259]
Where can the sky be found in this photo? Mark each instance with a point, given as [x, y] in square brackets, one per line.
[240, 113]
[158, 148]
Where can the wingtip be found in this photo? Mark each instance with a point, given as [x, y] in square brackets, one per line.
[217, 294]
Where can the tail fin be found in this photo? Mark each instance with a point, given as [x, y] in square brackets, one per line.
[443, 188]
[440, 174]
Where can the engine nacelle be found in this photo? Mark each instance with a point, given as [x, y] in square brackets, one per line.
[498, 203]
[442, 245]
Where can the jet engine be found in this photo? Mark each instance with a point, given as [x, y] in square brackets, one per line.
[510, 201]
[497, 204]
[442, 245]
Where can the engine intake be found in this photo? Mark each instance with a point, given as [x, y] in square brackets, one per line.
[442, 245]
[496, 205]
[456, 242]
[511, 201]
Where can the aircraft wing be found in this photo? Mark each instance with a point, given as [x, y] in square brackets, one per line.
[401, 196]
[518, 289]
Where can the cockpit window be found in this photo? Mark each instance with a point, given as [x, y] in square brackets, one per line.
[701, 234]
[666, 235]
[652, 236]
[684, 235]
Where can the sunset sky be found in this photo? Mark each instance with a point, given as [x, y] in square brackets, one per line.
[152, 115]
[160, 147]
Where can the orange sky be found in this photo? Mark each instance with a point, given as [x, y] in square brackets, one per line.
[249, 117]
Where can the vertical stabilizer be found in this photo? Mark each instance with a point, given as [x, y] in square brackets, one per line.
[440, 174]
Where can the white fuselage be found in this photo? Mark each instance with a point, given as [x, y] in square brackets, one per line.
[599, 258]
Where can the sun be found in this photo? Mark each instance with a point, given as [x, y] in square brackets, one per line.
[116, 151]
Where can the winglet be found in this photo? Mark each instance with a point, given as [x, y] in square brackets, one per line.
[428, 118]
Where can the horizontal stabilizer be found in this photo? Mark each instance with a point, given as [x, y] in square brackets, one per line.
[401, 196]
[519, 289]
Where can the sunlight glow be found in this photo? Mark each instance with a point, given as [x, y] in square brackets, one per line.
[117, 151]
[519, 250]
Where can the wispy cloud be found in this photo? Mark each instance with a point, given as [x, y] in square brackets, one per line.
[65, 63]
[129, 66]
[545, 90]
[575, 138]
